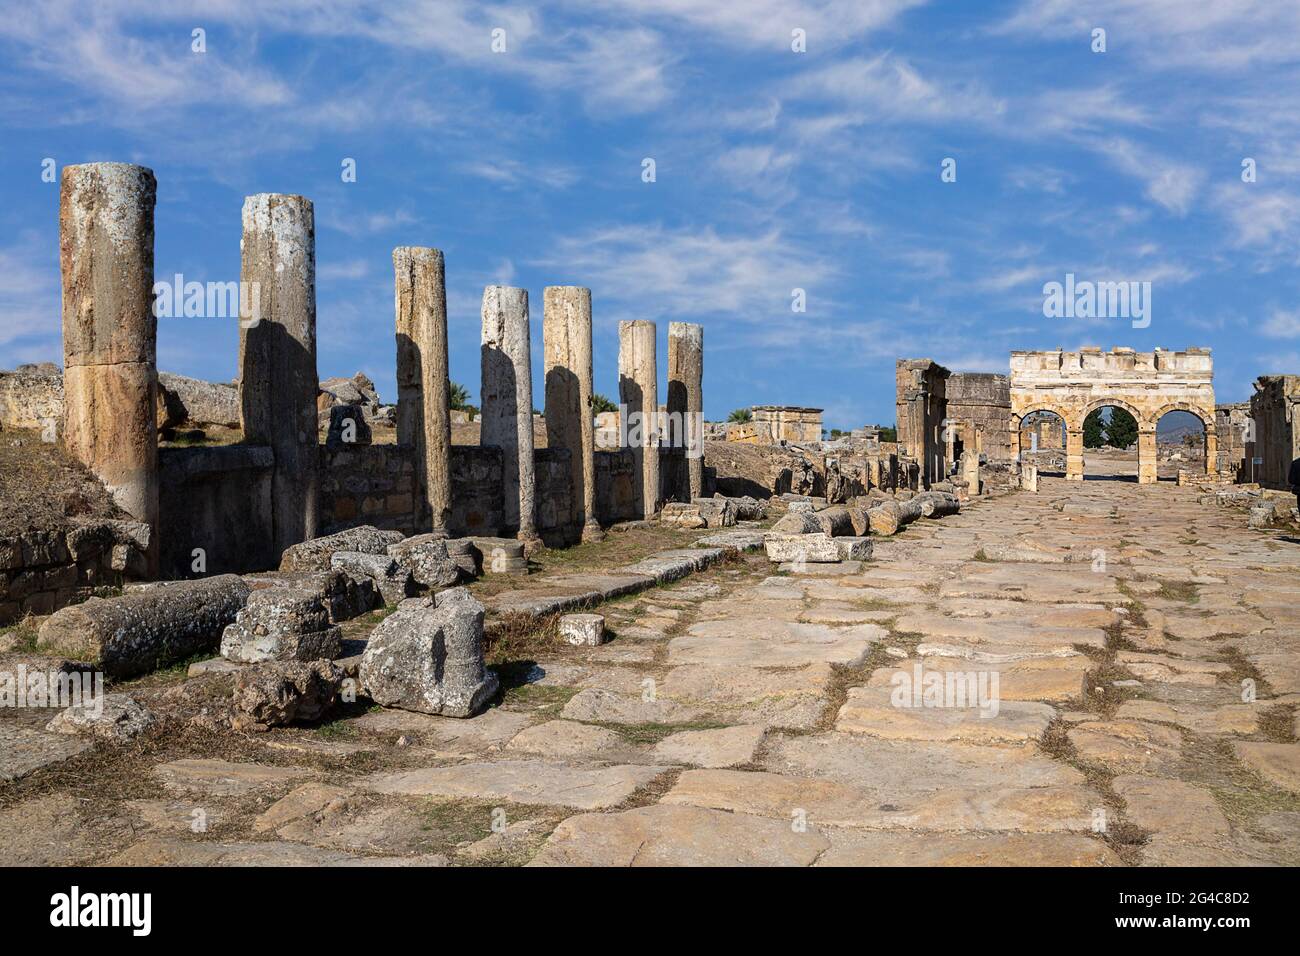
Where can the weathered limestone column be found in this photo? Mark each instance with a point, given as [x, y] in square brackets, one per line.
[110, 333]
[277, 355]
[1147, 454]
[507, 400]
[1074, 453]
[1211, 450]
[686, 396]
[566, 339]
[423, 379]
[638, 393]
[970, 471]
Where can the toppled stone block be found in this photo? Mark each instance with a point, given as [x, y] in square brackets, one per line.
[343, 596]
[430, 659]
[198, 402]
[814, 548]
[147, 628]
[278, 693]
[501, 555]
[348, 426]
[854, 548]
[466, 556]
[682, 515]
[797, 522]
[315, 554]
[113, 717]
[281, 624]
[748, 508]
[393, 580]
[585, 630]
[716, 512]
[426, 556]
[834, 521]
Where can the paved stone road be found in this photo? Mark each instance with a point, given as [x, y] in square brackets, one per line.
[743, 717]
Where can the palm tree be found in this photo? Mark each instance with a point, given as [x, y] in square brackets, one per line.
[741, 415]
[459, 397]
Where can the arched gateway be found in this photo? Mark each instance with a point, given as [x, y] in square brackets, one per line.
[1145, 384]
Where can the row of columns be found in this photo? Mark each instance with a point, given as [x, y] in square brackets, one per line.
[506, 396]
[111, 381]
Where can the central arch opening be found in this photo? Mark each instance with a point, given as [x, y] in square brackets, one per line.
[1110, 445]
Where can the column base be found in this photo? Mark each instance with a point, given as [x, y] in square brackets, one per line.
[592, 534]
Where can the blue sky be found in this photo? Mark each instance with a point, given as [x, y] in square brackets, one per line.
[775, 170]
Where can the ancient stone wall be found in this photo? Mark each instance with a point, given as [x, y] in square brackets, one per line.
[1275, 408]
[44, 570]
[1233, 424]
[369, 484]
[476, 491]
[791, 423]
[216, 500]
[979, 413]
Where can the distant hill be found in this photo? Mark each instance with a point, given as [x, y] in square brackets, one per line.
[1176, 425]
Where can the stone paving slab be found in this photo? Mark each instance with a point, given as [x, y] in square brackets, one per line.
[827, 803]
[665, 835]
[873, 711]
[520, 781]
[24, 750]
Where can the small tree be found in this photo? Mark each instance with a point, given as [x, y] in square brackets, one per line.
[599, 403]
[741, 415]
[888, 433]
[1093, 432]
[1122, 429]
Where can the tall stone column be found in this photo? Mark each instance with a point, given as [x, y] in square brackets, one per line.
[1211, 451]
[277, 355]
[110, 333]
[1074, 453]
[1147, 454]
[566, 339]
[507, 401]
[638, 393]
[686, 397]
[423, 379]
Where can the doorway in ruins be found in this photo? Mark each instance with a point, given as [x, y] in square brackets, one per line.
[1110, 444]
[1042, 442]
[1180, 444]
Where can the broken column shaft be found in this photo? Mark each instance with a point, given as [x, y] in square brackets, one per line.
[686, 398]
[110, 377]
[507, 400]
[566, 338]
[277, 355]
[638, 392]
[423, 383]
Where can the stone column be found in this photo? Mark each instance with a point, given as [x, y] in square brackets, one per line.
[566, 339]
[423, 379]
[638, 392]
[507, 400]
[686, 397]
[1211, 450]
[1074, 453]
[1146, 454]
[110, 333]
[277, 355]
